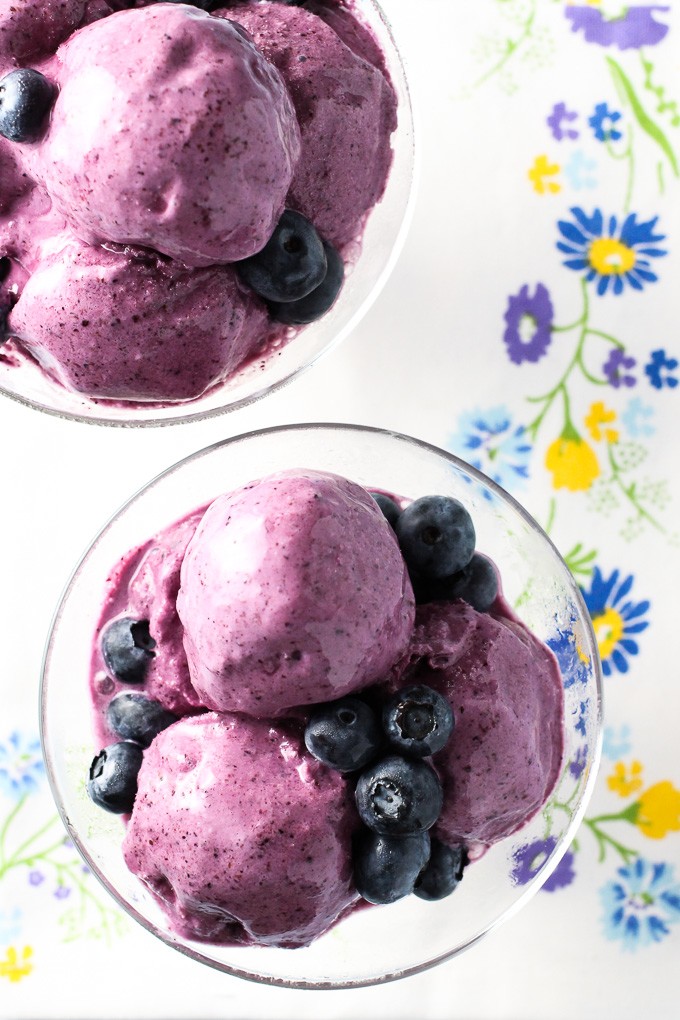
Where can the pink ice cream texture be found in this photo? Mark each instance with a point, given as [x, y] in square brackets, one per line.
[293, 591]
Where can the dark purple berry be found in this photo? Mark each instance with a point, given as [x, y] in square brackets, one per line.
[436, 535]
[386, 867]
[292, 263]
[26, 97]
[345, 734]
[417, 720]
[397, 796]
[128, 648]
[389, 508]
[112, 782]
[133, 716]
[442, 873]
[317, 302]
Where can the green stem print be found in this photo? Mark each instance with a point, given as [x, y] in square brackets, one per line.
[628, 154]
[629, 96]
[575, 365]
[511, 46]
[48, 850]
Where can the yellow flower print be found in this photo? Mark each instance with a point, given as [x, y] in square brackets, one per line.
[14, 968]
[659, 810]
[541, 170]
[608, 257]
[600, 415]
[572, 461]
[625, 781]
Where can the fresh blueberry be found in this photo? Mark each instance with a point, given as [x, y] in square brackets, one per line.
[387, 867]
[25, 100]
[344, 734]
[113, 777]
[417, 720]
[292, 263]
[127, 647]
[398, 796]
[477, 584]
[133, 716]
[443, 872]
[436, 535]
[316, 303]
[389, 508]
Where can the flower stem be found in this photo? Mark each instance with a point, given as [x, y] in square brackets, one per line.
[628, 491]
[16, 857]
[604, 840]
[5, 829]
[512, 45]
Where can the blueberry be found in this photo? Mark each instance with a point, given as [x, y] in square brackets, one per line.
[477, 584]
[113, 777]
[443, 872]
[127, 647]
[291, 264]
[387, 867]
[389, 508]
[133, 716]
[397, 796]
[344, 734]
[436, 535]
[25, 100]
[417, 720]
[316, 303]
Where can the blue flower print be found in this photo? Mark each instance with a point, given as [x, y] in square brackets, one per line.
[602, 122]
[611, 254]
[559, 116]
[492, 443]
[578, 170]
[616, 742]
[659, 369]
[572, 667]
[10, 925]
[578, 763]
[637, 416]
[641, 903]
[615, 618]
[21, 765]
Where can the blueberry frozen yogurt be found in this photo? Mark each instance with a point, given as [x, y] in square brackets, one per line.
[183, 185]
[308, 698]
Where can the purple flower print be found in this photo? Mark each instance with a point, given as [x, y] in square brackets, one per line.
[578, 763]
[62, 892]
[636, 28]
[557, 118]
[528, 324]
[36, 877]
[659, 369]
[602, 122]
[616, 366]
[562, 876]
[532, 857]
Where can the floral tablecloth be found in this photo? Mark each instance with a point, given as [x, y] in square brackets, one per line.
[532, 327]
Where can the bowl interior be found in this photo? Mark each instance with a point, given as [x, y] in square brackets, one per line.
[385, 230]
[380, 943]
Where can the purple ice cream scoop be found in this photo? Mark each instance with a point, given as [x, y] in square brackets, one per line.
[121, 324]
[172, 131]
[505, 690]
[293, 591]
[242, 835]
[346, 109]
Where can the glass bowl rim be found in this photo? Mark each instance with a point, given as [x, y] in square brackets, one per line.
[589, 635]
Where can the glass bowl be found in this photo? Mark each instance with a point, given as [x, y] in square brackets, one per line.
[381, 943]
[383, 237]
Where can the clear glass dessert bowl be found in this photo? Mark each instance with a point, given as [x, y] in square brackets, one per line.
[379, 943]
[369, 263]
